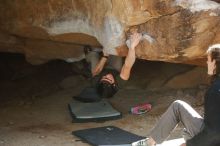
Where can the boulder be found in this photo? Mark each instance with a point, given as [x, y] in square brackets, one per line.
[176, 30]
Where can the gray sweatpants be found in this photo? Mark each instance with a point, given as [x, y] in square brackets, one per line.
[114, 62]
[178, 111]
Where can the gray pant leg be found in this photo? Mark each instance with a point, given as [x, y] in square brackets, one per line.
[179, 111]
[93, 58]
[114, 62]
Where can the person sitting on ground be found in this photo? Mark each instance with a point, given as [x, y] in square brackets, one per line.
[109, 78]
[198, 131]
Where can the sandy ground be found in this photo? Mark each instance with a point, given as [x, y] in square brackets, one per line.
[34, 112]
[46, 121]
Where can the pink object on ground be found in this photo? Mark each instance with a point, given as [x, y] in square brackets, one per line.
[141, 108]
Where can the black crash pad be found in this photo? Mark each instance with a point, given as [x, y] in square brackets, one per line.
[107, 136]
[88, 94]
[94, 111]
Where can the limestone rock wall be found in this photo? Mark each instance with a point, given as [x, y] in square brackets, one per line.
[176, 30]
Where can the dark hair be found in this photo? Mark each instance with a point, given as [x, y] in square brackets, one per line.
[215, 55]
[104, 88]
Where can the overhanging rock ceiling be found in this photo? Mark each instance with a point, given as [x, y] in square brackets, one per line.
[176, 30]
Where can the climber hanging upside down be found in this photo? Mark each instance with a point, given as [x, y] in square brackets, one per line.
[108, 73]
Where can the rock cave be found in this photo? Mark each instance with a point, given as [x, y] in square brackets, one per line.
[43, 62]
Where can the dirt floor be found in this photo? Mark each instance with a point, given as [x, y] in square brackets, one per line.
[33, 106]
